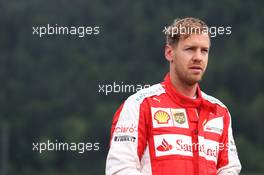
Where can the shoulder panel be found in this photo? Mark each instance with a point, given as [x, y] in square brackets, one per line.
[153, 90]
[212, 99]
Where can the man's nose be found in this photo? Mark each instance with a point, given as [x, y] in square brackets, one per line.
[197, 57]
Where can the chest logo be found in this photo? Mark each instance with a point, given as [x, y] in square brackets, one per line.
[162, 117]
[179, 117]
[215, 125]
[165, 146]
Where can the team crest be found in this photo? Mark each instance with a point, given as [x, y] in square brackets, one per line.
[179, 117]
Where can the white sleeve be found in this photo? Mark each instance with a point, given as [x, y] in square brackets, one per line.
[229, 157]
[123, 156]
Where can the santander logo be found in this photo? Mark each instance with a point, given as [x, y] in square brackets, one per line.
[165, 146]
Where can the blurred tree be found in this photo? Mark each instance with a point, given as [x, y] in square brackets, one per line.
[50, 85]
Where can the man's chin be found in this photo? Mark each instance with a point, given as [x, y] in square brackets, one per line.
[193, 81]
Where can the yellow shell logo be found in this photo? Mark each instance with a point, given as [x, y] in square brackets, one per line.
[161, 117]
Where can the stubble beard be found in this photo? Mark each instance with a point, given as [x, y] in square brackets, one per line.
[189, 79]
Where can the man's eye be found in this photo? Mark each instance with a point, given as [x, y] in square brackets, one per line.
[205, 50]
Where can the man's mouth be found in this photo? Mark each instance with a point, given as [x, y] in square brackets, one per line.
[197, 68]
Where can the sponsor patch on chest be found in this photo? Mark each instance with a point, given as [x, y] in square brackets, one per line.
[169, 117]
[214, 125]
[182, 145]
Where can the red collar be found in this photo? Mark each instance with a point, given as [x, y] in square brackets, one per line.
[184, 100]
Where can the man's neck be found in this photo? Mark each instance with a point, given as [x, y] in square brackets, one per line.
[184, 88]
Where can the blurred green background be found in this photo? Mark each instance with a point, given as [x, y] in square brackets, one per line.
[50, 85]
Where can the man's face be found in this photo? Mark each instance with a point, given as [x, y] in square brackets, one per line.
[189, 58]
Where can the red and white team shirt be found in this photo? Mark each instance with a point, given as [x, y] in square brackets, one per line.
[158, 131]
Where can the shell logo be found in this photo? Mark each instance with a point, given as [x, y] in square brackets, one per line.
[162, 117]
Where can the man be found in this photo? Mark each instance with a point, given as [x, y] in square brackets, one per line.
[173, 128]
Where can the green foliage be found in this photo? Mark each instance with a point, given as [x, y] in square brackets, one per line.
[49, 85]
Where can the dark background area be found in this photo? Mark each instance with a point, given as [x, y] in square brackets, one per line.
[50, 85]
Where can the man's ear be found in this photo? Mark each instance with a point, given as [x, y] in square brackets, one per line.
[168, 52]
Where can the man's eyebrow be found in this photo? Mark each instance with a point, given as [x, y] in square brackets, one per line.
[195, 46]
[190, 45]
